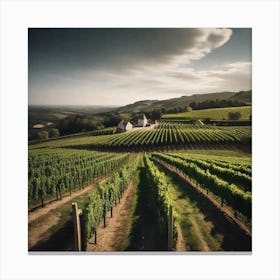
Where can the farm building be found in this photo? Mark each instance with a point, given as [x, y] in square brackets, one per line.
[125, 126]
[143, 121]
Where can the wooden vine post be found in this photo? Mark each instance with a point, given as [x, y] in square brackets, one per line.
[77, 226]
[95, 237]
[170, 229]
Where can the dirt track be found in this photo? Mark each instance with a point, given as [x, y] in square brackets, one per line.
[181, 244]
[32, 216]
[42, 219]
[113, 237]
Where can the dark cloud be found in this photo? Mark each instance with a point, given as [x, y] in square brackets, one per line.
[64, 49]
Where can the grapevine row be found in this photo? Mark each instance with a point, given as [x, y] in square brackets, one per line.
[161, 191]
[56, 173]
[231, 194]
[102, 198]
[225, 173]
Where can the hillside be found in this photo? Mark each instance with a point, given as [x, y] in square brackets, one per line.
[245, 96]
[183, 101]
[213, 114]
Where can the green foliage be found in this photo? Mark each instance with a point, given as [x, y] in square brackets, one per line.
[234, 196]
[54, 133]
[234, 116]
[237, 174]
[43, 134]
[102, 198]
[79, 123]
[54, 171]
[161, 191]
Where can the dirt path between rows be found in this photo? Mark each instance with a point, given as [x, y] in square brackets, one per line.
[223, 209]
[32, 216]
[199, 235]
[181, 244]
[43, 219]
[37, 232]
[114, 236]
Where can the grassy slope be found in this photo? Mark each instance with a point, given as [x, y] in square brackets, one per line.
[213, 114]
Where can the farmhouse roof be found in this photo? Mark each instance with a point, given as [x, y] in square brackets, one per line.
[124, 123]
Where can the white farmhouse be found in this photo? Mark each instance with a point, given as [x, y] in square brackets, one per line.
[125, 126]
[143, 121]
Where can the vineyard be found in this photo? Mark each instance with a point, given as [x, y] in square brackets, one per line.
[190, 191]
[53, 172]
[166, 134]
[216, 179]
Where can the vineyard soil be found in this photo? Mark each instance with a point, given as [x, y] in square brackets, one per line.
[43, 223]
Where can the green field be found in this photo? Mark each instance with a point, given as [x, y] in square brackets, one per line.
[213, 114]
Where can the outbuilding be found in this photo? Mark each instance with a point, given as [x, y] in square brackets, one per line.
[125, 126]
[143, 121]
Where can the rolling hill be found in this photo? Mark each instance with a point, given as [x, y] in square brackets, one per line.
[183, 101]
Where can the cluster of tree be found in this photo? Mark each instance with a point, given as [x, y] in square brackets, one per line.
[111, 119]
[234, 116]
[152, 115]
[44, 134]
[208, 104]
[79, 123]
[174, 110]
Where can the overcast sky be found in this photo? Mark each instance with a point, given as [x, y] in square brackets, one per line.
[121, 66]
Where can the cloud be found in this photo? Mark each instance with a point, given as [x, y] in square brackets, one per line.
[78, 49]
[121, 66]
[121, 89]
[231, 76]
